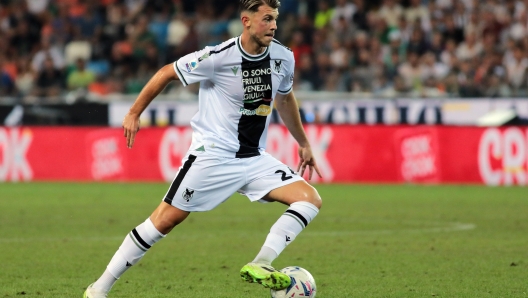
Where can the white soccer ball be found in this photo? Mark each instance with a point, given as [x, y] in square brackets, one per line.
[302, 284]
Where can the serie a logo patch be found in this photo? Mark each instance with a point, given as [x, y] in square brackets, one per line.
[191, 65]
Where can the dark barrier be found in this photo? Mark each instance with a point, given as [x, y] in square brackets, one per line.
[55, 114]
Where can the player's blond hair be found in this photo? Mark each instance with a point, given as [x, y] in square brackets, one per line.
[253, 5]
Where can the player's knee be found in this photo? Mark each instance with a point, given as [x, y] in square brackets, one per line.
[166, 217]
[165, 222]
[312, 196]
[316, 199]
[164, 225]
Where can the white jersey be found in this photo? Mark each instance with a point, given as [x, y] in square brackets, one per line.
[236, 94]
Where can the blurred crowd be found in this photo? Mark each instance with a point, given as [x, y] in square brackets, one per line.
[58, 49]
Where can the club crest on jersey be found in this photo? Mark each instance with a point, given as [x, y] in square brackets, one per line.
[191, 65]
[277, 65]
[188, 194]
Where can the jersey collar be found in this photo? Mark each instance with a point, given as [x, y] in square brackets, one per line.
[248, 56]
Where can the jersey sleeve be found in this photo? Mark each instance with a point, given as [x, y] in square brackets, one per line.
[286, 85]
[195, 67]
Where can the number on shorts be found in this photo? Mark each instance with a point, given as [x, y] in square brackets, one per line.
[284, 177]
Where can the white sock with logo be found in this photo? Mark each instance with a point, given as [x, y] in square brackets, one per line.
[285, 229]
[133, 248]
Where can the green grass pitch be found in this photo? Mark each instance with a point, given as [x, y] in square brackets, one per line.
[368, 241]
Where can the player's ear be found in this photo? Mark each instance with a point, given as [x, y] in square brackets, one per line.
[245, 18]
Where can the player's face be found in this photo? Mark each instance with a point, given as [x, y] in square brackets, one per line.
[263, 25]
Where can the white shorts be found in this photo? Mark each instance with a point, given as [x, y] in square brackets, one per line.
[205, 181]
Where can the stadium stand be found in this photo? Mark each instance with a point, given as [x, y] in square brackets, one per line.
[384, 48]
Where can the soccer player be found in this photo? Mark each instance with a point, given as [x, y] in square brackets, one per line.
[239, 80]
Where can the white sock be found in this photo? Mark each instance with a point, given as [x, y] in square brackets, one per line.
[285, 229]
[133, 248]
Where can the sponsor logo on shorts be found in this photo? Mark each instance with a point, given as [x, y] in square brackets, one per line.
[262, 110]
[188, 194]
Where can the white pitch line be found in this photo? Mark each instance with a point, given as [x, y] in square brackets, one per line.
[441, 227]
[447, 227]
[60, 239]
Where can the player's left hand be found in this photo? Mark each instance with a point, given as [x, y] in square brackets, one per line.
[307, 160]
[130, 128]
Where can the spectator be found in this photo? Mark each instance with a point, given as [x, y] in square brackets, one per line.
[324, 71]
[516, 69]
[405, 30]
[49, 80]
[417, 43]
[395, 46]
[433, 68]
[451, 85]
[461, 15]
[518, 29]
[306, 74]
[320, 42]
[323, 15]
[360, 16]
[80, 78]
[436, 45]
[431, 89]
[298, 46]
[448, 55]
[177, 30]
[417, 12]
[61, 26]
[496, 87]
[89, 24]
[24, 40]
[391, 65]
[376, 51]
[25, 79]
[365, 71]
[391, 12]
[134, 7]
[397, 89]
[6, 81]
[37, 7]
[140, 38]
[343, 9]
[412, 72]
[48, 51]
[474, 24]
[470, 48]
[78, 48]
[344, 31]
[490, 24]
[452, 32]
[361, 42]
[465, 79]
[339, 55]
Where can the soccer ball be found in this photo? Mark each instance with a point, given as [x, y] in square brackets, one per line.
[302, 284]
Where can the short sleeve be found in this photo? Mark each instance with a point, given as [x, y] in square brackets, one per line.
[195, 67]
[286, 85]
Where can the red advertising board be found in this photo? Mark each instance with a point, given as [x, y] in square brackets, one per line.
[345, 153]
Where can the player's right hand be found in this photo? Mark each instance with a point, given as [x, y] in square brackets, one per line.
[306, 159]
[130, 127]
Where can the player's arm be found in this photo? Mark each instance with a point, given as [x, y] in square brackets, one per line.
[288, 109]
[155, 85]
